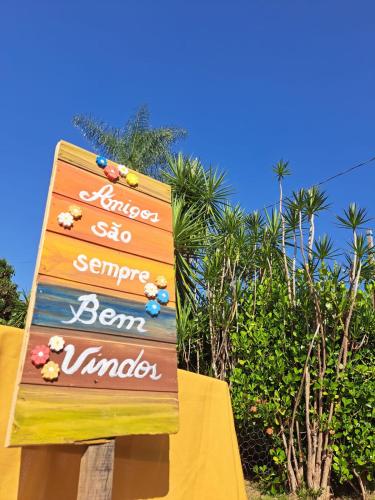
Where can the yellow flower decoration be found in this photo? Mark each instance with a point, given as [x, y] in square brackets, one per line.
[132, 179]
[50, 371]
[161, 281]
[75, 211]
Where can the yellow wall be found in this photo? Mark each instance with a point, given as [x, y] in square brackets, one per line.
[201, 462]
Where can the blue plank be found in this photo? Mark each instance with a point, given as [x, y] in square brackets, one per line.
[63, 307]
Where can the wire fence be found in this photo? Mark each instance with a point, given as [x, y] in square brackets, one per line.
[254, 448]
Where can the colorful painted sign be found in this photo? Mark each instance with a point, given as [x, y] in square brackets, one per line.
[100, 337]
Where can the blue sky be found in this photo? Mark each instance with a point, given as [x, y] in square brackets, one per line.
[251, 80]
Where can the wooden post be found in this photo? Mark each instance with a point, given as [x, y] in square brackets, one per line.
[96, 472]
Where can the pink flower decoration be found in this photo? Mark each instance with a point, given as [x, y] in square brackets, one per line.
[111, 172]
[40, 355]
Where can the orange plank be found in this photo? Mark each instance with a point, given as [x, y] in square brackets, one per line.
[113, 231]
[87, 161]
[113, 197]
[83, 262]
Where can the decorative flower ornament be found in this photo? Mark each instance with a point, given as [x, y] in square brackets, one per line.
[132, 180]
[151, 290]
[111, 172]
[153, 308]
[75, 211]
[56, 343]
[101, 161]
[50, 371]
[65, 219]
[123, 171]
[40, 355]
[163, 296]
[161, 281]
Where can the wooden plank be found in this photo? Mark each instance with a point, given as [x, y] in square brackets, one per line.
[54, 303]
[11, 422]
[50, 280]
[105, 364]
[72, 260]
[85, 187]
[87, 160]
[113, 231]
[96, 472]
[54, 415]
[50, 332]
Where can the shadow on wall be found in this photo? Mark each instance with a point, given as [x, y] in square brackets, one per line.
[141, 467]
[141, 470]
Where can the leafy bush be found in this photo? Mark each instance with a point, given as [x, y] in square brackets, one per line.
[271, 346]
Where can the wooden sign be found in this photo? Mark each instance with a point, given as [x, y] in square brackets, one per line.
[99, 356]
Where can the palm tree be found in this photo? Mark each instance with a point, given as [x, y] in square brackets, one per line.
[199, 196]
[204, 189]
[315, 202]
[292, 216]
[19, 312]
[137, 145]
[281, 169]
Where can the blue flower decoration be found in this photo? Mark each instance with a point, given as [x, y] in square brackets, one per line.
[101, 161]
[153, 308]
[162, 296]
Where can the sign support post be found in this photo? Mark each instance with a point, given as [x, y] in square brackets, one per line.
[96, 472]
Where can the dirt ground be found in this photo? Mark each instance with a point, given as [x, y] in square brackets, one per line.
[253, 493]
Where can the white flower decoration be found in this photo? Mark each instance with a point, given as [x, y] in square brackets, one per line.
[123, 170]
[65, 219]
[56, 343]
[151, 290]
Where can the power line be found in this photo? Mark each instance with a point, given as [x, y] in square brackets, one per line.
[328, 179]
[344, 172]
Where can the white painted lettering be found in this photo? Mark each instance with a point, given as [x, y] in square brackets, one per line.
[95, 264]
[105, 195]
[80, 263]
[144, 276]
[70, 350]
[127, 368]
[87, 314]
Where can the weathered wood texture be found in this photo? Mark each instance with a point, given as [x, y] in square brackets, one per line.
[59, 255]
[85, 159]
[16, 395]
[96, 472]
[81, 186]
[47, 415]
[118, 365]
[52, 280]
[68, 267]
[54, 303]
[131, 236]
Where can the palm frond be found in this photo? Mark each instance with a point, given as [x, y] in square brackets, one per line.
[354, 217]
[137, 144]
